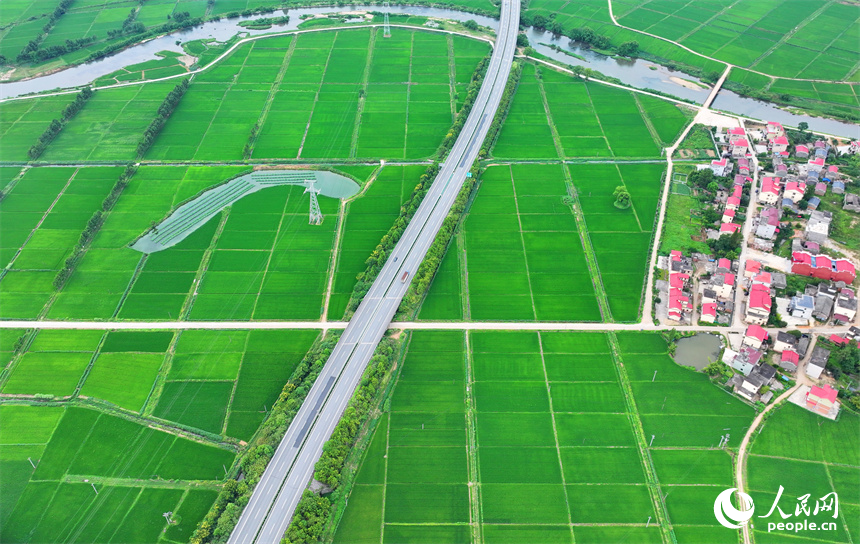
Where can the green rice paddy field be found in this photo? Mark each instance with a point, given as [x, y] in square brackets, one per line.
[555, 115]
[777, 37]
[520, 255]
[806, 453]
[221, 382]
[531, 437]
[338, 94]
[260, 259]
[100, 478]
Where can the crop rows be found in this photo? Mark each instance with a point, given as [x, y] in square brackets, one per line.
[556, 448]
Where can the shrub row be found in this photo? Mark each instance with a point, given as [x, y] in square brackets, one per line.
[57, 124]
[377, 259]
[224, 514]
[313, 511]
[164, 111]
[93, 226]
[427, 270]
[33, 45]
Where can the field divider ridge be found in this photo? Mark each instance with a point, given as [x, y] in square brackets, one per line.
[658, 500]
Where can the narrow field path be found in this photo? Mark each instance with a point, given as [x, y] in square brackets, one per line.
[741, 458]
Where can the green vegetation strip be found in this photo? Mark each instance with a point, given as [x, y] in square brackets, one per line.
[224, 514]
[313, 513]
[57, 124]
[377, 259]
[167, 107]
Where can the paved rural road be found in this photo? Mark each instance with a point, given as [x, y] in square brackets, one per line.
[271, 507]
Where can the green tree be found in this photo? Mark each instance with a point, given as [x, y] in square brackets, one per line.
[471, 24]
[622, 197]
[628, 49]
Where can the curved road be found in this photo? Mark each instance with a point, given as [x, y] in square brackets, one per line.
[271, 507]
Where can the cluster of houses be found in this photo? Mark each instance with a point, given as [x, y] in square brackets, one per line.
[753, 373]
[715, 289]
[759, 285]
[822, 302]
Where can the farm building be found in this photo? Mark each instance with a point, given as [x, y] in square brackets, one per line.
[821, 399]
[822, 267]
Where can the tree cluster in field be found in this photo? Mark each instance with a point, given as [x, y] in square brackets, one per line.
[166, 28]
[727, 246]
[622, 197]
[93, 226]
[41, 55]
[219, 522]
[582, 34]
[33, 45]
[313, 511]
[129, 26]
[844, 359]
[57, 125]
[164, 111]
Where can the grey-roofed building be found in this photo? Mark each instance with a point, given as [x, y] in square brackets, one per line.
[801, 307]
[851, 203]
[803, 346]
[778, 280]
[768, 232]
[817, 362]
[823, 308]
[784, 341]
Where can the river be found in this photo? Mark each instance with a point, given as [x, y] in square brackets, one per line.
[636, 73]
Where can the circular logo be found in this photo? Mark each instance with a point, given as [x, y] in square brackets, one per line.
[723, 509]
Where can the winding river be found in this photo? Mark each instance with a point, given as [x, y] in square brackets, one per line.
[636, 73]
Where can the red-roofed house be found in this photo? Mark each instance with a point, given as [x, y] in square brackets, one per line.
[845, 271]
[821, 399]
[795, 191]
[774, 130]
[738, 191]
[675, 255]
[769, 191]
[709, 312]
[679, 304]
[735, 133]
[721, 167]
[801, 152]
[751, 268]
[838, 340]
[723, 284]
[780, 144]
[744, 166]
[755, 336]
[758, 305]
[816, 164]
[823, 267]
[762, 278]
[833, 169]
[678, 281]
[728, 215]
[789, 360]
[724, 265]
[733, 203]
[820, 188]
[729, 228]
[740, 147]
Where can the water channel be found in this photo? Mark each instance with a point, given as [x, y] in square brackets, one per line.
[636, 73]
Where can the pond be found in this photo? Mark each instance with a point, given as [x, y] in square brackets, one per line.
[698, 351]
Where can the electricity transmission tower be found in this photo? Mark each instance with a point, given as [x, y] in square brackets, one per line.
[387, 29]
[316, 216]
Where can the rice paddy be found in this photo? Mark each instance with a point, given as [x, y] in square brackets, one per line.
[76, 473]
[561, 116]
[521, 254]
[806, 453]
[221, 382]
[467, 404]
[770, 37]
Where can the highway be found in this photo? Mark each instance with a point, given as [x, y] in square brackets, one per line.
[274, 500]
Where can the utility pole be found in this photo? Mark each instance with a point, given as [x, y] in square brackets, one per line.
[167, 516]
[387, 28]
[652, 441]
[31, 462]
[654, 377]
[94, 488]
